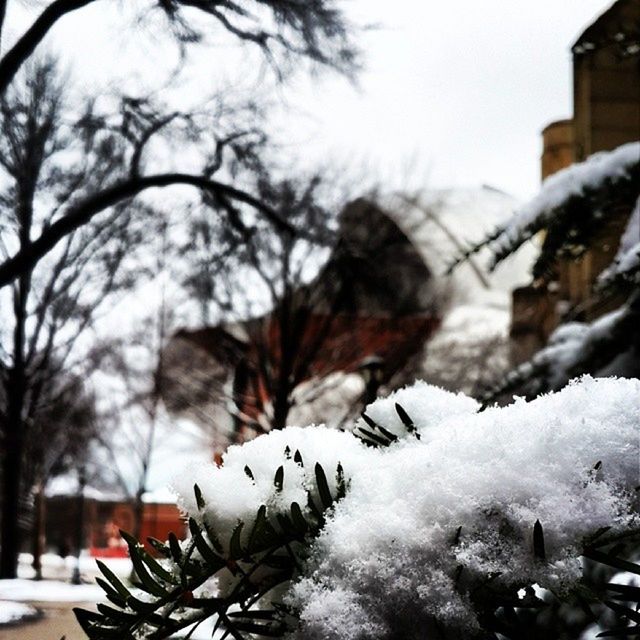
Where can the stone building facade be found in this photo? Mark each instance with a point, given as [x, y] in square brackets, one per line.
[606, 114]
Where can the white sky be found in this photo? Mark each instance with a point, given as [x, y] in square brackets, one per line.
[454, 94]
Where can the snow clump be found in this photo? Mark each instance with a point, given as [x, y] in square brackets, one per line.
[427, 520]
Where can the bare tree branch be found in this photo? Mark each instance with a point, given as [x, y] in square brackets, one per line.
[83, 212]
[26, 45]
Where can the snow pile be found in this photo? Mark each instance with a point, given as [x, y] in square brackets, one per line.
[427, 520]
[49, 591]
[575, 180]
[231, 495]
[14, 612]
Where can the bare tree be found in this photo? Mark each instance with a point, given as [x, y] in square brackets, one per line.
[314, 30]
[135, 417]
[328, 300]
[51, 307]
[62, 428]
[68, 208]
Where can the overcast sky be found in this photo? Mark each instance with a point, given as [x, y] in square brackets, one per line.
[460, 89]
[454, 93]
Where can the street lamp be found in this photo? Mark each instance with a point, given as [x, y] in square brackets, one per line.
[372, 371]
[82, 482]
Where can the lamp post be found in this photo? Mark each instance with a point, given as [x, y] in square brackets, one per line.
[82, 481]
[372, 371]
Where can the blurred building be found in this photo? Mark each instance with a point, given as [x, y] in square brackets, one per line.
[102, 519]
[404, 317]
[369, 310]
[606, 114]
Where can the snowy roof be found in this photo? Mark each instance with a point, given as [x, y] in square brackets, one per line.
[439, 222]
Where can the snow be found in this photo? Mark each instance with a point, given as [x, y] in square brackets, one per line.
[49, 591]
[601, 347]
[389, 548]
[67, 485]
[631, 235]
[231, 495]
[162, 495]
[12, 612]
[60, 570]
[558, 188]
[630, 260]
[56, 585]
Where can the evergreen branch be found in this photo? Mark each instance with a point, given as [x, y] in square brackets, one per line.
[268, 556]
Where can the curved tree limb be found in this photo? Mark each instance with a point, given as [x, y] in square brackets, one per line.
[33, 36]
[79, 215]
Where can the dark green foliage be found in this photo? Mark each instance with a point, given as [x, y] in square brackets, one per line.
[279, 479]
[622, 599]
[538, 541]
[572, 226]
[407, 421]
[199, 498]
[378, 436]
[596, 599]
[270, 554]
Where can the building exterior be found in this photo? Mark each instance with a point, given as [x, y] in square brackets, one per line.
[98, 521]
[606, 114]
[372, 306]
[404, 317]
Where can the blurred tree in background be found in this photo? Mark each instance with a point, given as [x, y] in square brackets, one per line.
[69, 223]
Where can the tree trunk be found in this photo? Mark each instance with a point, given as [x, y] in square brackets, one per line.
[11, 472]
[282, 395]
[281, 407]
[80, 539]
[14, 439]
[38, 537]
[138, 514]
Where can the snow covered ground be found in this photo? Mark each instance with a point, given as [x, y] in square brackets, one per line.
[56, 585]
[56, 568]
[20, 590]
[14, 612]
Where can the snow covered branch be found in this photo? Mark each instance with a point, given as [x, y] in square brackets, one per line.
[315, 534]
[625, 268]
[607, 346]
[571, 205]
